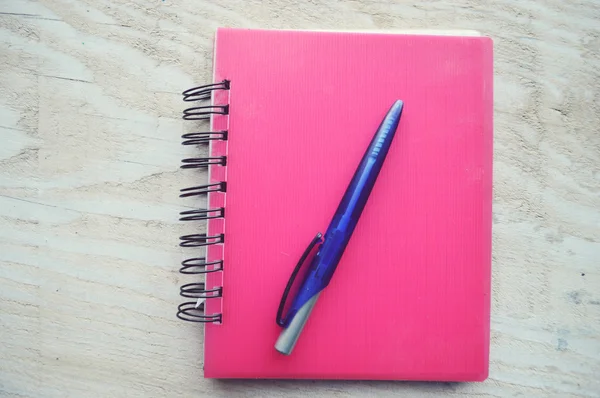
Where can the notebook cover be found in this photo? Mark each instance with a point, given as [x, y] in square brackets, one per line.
[410, 299]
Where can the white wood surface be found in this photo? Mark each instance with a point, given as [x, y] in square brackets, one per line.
[90, 120]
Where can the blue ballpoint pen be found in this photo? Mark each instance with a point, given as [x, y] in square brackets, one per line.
[337, 235]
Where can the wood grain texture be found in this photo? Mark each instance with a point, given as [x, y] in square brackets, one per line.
[89, 179]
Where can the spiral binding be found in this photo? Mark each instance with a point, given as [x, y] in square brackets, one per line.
[203, 138]
[198, 266]
[203, 93]
[197, 290]
[195, 163]
[203, 189]
[202, 214]
[204, 112]
[199, 240]
[193, 311]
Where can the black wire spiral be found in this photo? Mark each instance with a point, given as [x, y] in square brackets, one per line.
[203, 189]
[196, 163]
[202, 214]
[193, 311]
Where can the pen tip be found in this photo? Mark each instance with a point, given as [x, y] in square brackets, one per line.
[397, 107]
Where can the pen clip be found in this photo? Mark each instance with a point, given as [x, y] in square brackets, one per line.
[316, 240]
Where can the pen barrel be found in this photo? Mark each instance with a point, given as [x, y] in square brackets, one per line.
[355, 198]
[289, 336]
[361, 185]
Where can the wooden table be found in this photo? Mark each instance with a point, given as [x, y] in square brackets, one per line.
[90, 111]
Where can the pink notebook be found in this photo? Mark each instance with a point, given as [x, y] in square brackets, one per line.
[410, 299]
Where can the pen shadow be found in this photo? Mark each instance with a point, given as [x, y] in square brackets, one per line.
[332, 387]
